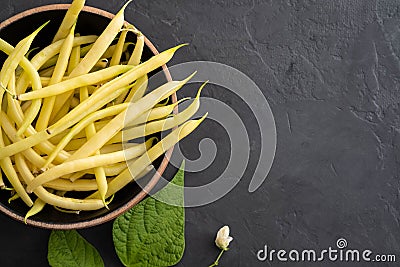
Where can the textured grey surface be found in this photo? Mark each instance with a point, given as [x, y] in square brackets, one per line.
[330, 70]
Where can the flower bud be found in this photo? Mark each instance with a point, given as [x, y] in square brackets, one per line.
[223, 239]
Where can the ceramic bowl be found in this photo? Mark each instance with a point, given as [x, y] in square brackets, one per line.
[91, 21]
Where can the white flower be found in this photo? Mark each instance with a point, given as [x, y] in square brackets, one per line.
[223, 239]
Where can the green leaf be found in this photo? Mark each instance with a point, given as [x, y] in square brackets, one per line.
[152, 233]
[70, 249]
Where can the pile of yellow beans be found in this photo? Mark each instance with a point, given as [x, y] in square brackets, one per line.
[67, 112]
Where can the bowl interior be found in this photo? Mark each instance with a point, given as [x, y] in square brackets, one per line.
[88, 23]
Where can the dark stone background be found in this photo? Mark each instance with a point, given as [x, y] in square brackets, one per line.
[330, 71]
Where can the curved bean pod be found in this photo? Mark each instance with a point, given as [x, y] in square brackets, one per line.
[138, 51]
[69, 19]
[37, 207]
[52, 199]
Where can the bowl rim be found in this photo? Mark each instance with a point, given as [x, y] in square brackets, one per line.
[153, 181]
